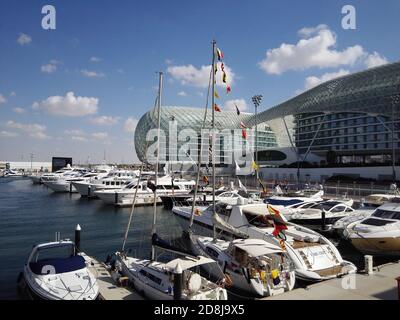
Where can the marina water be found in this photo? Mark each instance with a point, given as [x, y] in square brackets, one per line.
[30, 214]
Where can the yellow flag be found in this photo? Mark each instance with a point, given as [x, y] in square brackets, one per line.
[216, 94]
[255, 165]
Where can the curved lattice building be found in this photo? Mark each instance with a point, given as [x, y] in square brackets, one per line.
[348, 119]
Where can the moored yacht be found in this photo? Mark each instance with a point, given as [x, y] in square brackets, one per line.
[315, 258]
[55, 271]
[254, 267]
[315, 214]
[166, 185]
[116, 179]
[378, 234]
[155, 280]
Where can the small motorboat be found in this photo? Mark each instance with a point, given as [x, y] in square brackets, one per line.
[313, 214]
[55, 271]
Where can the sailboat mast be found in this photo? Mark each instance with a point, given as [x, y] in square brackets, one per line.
[213, 127]
[157, 160]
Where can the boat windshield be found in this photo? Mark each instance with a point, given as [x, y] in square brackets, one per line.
[260, 221]
[386, 214]
[56, 260]
[283, 202]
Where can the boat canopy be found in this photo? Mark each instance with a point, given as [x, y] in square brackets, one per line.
[256, 247]
[188, 262]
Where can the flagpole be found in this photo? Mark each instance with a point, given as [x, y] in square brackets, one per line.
[157, 161]
[213, 131]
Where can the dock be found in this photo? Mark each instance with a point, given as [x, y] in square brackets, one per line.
[381, 285]
[108, 289]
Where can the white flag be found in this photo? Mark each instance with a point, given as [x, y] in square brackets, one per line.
[241, 186]
[237, 166]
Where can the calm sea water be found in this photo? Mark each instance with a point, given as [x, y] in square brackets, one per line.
[30, 214]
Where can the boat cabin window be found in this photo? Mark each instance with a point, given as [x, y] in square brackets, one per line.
[222, 209]
[283, 202]
[151, 277]
[259, 221]
[386, 214]
[211, 252]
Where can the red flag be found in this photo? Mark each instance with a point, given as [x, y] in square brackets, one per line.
[216, 108]
[280, 224]
[244, 134]
[228, 89]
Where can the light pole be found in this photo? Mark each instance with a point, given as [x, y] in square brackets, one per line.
[256, 101]
[31, 155]
[395, 102]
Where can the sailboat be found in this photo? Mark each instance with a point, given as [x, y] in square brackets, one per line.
[252, 267]
[175, 279]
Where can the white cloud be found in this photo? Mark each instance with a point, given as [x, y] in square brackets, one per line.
[8, 134]
[316, 49]
[95, 59]
[105, 120]
[240, 103]
[34, 130]
[169, 61]
[100, 135]
[375, 60]
[191, 76]
[79, 138]
[19, 110]
[70, 105]
[76, 134]
[2, 99]
[121, 71]
[130, 125]
[182, 94]
[12, 94]
[92, 74]
[313, 81]
[24, 39]
[308, 32]
[50, 67]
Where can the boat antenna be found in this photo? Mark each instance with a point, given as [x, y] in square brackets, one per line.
[157, 160]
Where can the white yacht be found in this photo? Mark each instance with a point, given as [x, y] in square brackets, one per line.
[310, 213]
[155, 281]
[166, 185]
[124, 196]
[64, 182]
[254, 267]
[55, 271]
[116, 179]
[292, 199]
[315, 258]
[378, 234]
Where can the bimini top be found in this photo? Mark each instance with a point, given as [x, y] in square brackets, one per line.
[188, 262]
[256, 247]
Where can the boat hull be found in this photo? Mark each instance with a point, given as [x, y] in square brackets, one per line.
[378, 246]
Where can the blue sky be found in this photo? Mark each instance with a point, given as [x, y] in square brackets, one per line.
[79, 90]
